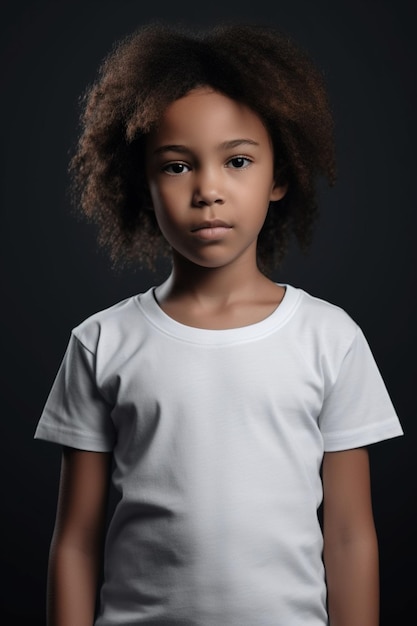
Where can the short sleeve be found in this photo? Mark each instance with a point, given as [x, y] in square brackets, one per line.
[357, 410]
[76, 414]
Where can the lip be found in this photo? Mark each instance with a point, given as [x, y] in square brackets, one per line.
[211, 230]
[210, 224]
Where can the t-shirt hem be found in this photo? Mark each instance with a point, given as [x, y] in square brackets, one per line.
[71, 439]
[335, 442]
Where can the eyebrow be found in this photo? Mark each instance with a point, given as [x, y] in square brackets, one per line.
[226, 145]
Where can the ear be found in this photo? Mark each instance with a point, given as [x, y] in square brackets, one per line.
[278, 192]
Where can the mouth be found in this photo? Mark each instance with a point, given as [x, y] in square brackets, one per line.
[211, 230]
[210, 225]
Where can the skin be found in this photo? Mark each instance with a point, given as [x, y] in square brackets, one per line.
[77, 542]
[211, 158]
[350, 540]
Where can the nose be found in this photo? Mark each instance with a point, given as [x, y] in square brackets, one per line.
[207, 188]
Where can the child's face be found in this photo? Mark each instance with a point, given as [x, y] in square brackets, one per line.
[210, 174]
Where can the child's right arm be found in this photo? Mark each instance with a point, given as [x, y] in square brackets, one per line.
[76, 547]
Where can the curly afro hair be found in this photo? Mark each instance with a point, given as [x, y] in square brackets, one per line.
[157, 64]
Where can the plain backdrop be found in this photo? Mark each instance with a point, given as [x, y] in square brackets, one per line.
[53, 276]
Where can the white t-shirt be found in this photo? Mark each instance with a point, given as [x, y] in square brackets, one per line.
[218, 438]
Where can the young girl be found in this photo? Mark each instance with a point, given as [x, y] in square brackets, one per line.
[224, 406]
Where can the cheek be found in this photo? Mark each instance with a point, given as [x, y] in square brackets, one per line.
[160, 205]
[154, 192]
[167, 194]
[168, 213]
[257, 199]
[165, 225]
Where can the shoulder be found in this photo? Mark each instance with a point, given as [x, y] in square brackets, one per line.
[320, 310]
[113, 324]
[324, 323]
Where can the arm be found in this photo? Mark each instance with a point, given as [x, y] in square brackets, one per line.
[350, 541]
[76, 546]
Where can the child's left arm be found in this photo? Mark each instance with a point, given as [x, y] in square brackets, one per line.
[350, 540]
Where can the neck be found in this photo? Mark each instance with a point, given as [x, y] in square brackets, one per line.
[221, 283]
[230, 296]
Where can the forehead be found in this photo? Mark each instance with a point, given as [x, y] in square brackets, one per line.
[205, 116]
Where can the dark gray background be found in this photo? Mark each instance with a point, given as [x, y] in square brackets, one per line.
[363, 257]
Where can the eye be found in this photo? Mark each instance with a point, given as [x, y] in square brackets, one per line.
[239, 162]
[176, 168]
